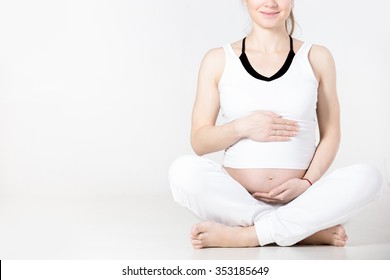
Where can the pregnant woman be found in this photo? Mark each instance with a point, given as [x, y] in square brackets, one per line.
[272, 91]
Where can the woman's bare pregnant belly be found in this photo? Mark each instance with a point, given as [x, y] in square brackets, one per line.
[263, 179]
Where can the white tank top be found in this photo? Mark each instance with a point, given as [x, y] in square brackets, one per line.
[293, 96]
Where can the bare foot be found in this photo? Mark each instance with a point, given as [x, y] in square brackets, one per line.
[210, 234]
[335, 236]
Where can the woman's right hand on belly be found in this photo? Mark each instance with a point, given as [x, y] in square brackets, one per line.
[284, 193]
[266, 126]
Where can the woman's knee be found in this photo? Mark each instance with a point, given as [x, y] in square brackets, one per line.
[185, 173]
[182, 168]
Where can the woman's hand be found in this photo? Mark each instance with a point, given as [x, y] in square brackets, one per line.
[265, 126]
[284, 193]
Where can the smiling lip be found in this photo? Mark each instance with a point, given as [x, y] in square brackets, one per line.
[269, 13]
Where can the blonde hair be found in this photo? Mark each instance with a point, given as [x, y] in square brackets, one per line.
[290, 23]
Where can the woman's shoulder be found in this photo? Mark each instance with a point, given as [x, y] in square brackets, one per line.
[322, 61]
[214, 55]
[219, 54]
[212, 64]
[214, 61]
[320, 53]
[315, 49]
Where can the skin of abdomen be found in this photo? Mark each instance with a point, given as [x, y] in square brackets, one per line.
[263, 179]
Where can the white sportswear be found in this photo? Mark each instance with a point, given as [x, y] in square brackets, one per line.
[293, 96]
[205, 188]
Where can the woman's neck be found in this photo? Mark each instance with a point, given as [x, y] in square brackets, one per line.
[268, 41]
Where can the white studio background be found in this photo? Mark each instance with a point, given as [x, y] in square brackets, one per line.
[96, 96]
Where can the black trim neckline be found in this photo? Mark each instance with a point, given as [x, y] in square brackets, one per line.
[248, 67]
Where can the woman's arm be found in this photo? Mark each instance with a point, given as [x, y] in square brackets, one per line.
[206, 137]
[328, 113]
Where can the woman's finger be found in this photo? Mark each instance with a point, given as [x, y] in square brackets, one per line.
[283, 121]
[285, 127]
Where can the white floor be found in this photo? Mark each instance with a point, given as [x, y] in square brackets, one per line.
[119, 228]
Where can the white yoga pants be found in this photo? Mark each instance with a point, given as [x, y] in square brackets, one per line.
[205, 188]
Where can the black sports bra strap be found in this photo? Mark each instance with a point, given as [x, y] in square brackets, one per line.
[248, 67]
[243, 46]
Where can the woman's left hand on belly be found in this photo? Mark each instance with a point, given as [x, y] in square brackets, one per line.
[284, 193]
